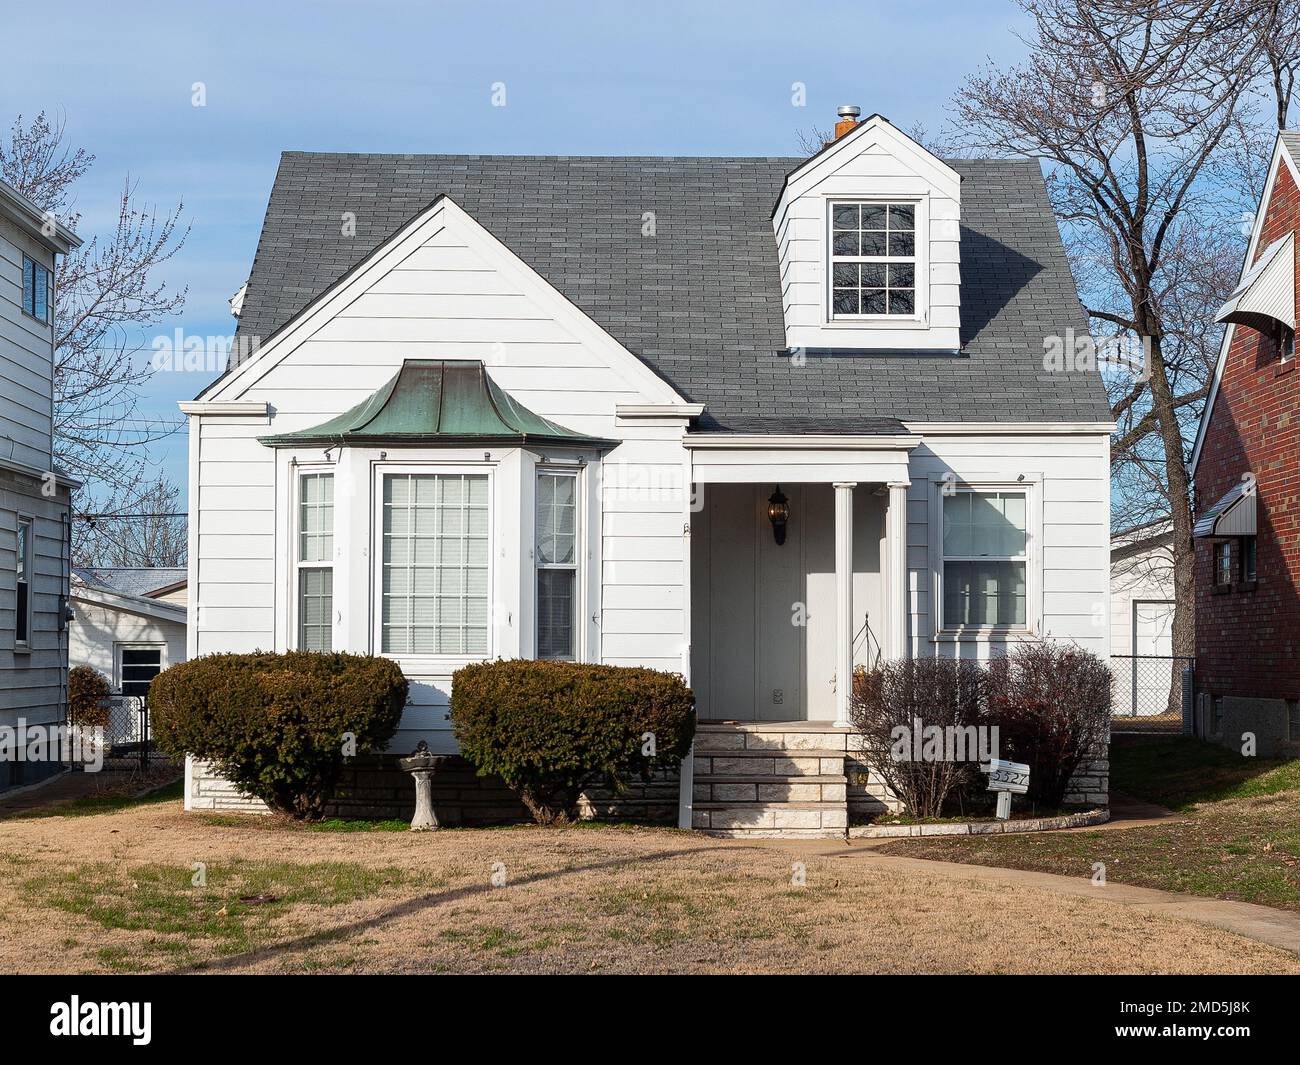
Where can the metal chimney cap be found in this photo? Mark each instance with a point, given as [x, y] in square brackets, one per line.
[849, 111]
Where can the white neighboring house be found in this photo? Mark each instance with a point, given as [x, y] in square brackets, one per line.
[549, 407]
[128, 623]
[35, 499]
[1142, 617]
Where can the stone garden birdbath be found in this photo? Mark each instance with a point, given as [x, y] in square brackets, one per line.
[422, 765]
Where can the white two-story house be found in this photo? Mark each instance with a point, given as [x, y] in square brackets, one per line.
[757, 421]
[35, 500]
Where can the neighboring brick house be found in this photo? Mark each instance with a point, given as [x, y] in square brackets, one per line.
[1246, 466]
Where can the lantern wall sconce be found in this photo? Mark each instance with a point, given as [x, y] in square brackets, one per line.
[778, 513]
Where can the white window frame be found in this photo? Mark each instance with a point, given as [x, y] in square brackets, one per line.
[577, 567]
[920, 205]
[430, 664]
[28, 522]
[1031, 485]
[136, 645]
[300, 564]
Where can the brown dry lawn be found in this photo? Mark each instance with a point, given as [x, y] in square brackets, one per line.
[112, 891]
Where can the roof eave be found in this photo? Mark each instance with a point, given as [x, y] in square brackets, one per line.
[408, 440]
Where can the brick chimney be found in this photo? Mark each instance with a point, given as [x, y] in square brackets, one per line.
[848, 122]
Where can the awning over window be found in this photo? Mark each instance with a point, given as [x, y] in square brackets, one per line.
[437, 403]
[1233, 515]
[1266, 294]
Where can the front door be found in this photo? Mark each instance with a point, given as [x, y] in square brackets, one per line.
[747, 631]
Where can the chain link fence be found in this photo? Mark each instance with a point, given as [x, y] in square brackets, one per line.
[127, 734]
[1151, 693]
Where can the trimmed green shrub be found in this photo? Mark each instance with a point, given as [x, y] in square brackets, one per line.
[552, 729]
[888, 703]
[278, 725]
[88, 693]
[1051, 702]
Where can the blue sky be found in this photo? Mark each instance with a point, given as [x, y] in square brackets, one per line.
[607, 79]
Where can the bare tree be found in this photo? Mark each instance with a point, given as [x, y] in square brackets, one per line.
[107, 293]
[140, 528]
[1131, 103]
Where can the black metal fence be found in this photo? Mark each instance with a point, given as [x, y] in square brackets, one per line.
[1151, 693]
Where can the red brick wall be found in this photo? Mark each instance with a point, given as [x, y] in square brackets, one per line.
[1248, 642]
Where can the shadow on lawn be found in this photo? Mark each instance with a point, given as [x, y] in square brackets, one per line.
[1181, 771]
[427, 902]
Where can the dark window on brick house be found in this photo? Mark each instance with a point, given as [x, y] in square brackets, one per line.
[1283, 342]
[1248, 559]
[1293, 719]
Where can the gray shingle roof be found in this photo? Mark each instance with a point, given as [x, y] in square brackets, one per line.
[130, 580]
[700, 302]
[1291, 138]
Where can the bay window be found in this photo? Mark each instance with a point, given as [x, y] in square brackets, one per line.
[434, 565]
[985, 559]
[316, 562]
[556, 559]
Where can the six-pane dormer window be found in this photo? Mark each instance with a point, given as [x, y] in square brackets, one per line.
[873, 260]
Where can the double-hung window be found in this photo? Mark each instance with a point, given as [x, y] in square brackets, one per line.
[22, 632]
[873, 260]
[556, 558]
[435, 573]
[315, 561]
[985, 558]
[1223, 563]
[36, 290]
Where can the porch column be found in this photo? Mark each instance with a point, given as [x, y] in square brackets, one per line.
[896, 591]
[843, 600]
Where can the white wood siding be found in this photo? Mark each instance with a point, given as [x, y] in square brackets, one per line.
[32, 681]
[97, 630]
[449, 296]
[26, 358]
[1071, 477]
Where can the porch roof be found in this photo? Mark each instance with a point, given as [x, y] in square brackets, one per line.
[437, 403]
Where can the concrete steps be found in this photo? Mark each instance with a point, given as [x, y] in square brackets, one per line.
[770, 779]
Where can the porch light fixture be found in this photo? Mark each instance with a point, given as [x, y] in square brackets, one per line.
[778, 513]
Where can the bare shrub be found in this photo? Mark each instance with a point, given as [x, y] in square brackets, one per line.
[892, 701]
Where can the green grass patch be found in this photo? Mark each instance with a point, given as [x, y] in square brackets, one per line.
[1181, 771]
[186, 919]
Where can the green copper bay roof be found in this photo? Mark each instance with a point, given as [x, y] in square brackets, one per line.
[437, 403]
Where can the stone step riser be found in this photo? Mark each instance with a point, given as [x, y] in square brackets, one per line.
[782, 791]
[770, 741]
[832, 818]
[777, 765]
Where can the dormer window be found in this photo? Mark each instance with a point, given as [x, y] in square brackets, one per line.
[873, 260]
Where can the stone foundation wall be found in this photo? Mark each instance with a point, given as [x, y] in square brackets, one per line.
[868, 795]
[374, 788]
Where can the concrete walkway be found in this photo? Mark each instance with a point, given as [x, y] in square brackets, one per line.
[1278, 928]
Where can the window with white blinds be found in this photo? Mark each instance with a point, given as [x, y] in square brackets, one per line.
[557, 563]
[316, 562]
[435, 564]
